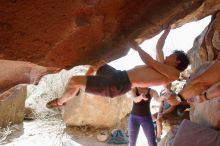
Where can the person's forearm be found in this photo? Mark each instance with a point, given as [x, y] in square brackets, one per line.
[162, 39]
[169, 110]
[202, 82]
[161, 107]
[192, 89]
[158, 98]
[213, 91]
[160, 45]
[171, 73]
[145, 57]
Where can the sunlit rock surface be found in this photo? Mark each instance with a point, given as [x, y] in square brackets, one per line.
[12, 107]
[86, 109]
[96, 111]
[205, 49]
[206, 46]
[207, 113]
[13, 73]
[208, 7]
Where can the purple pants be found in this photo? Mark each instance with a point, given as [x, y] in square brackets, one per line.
[134, 124]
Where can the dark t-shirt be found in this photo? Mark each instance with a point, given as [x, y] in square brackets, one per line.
[142, 108]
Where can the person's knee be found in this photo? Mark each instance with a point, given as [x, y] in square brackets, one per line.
[77, 81]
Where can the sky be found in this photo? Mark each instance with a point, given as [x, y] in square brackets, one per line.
[181, 38]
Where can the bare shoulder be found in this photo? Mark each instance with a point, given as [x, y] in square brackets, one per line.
[172, 71]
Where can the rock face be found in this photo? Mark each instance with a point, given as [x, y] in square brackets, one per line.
[169, 138]
[207, 113]
[205, 49]
[208, 7]
[206, 46]
[12, 109]
[84, 110]
[19, 72]
[61, 33]
[97, 111]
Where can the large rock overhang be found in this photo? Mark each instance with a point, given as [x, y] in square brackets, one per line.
[68, 33]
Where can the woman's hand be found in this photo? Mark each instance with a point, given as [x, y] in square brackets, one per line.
[139, 98]
[172, 100]
[132, 44]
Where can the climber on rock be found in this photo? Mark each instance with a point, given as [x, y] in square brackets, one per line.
[155, 72]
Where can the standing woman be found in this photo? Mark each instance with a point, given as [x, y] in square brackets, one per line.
[141, 116]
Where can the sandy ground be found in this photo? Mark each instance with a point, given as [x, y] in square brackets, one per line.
[48, 129]
[51, 131]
